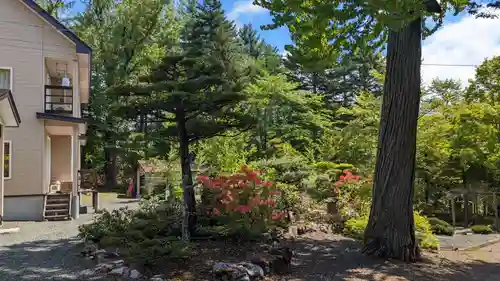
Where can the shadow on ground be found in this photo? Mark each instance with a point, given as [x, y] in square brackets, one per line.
[342, 260]
[46, 260]
[316, 260]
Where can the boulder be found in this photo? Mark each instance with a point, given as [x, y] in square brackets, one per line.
[120, 271]
[253, 270]
[105, 267]
[230, 272]
[134, 274]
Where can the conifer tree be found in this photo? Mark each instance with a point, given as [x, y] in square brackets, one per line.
[195, 91]
[264, 54]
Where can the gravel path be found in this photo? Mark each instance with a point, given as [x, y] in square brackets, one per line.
[48, 251]
[462, 241]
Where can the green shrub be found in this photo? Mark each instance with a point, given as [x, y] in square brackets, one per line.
[482, 229]
[146, 237]
[106, 223]
[290, 199]
[355, 228]
[290, 170]
[441, 227]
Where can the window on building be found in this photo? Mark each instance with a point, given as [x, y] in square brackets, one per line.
[7, 159]
[5, 78]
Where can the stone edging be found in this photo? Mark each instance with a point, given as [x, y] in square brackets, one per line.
[9, 230]
[482, 245]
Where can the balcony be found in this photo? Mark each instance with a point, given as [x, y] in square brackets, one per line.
[59, 99]
[84, 108]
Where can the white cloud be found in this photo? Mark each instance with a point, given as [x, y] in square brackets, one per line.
[244, 7]
[467, 42]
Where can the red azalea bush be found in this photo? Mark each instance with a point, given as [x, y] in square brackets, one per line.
[353, 193]
[244, 202]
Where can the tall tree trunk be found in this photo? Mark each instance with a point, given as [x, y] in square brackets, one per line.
[110, 166]
[189, 220]
[466, 199]
[315, 82]
[391, 232]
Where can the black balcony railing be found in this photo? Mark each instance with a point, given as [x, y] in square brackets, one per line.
[58, 99]
[84, 107]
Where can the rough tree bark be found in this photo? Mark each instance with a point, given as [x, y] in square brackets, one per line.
[189, 211]
[110, 170]
[391, 232]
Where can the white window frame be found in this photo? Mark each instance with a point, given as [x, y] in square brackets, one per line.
[11, 70]
[10, 158]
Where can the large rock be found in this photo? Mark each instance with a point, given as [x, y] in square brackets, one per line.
[134, 274]
[253, 270]
[105, 267]
[120, 271]
[230, 272]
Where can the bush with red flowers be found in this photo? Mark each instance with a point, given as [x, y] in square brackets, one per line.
[353, 194]
[243, 202]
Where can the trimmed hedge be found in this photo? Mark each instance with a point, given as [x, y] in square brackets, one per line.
[481, 229]
[441, 227]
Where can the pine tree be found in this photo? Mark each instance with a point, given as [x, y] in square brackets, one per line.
[339, 80]
[264, 54]
[196, 91]
[251, 41]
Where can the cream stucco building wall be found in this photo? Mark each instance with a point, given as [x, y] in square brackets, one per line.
[60, 158]
[26, 40]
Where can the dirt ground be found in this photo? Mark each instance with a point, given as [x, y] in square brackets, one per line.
[322, 257]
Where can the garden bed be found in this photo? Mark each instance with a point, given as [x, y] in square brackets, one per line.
[326, 256]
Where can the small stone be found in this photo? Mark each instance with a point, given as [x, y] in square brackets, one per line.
[157, 278]
[323, 228]
[100, 251]
[104, 267]
[293, 230]
[253, 270]
[118, 262]
[134, 274]
[89, 249]
[119, 271]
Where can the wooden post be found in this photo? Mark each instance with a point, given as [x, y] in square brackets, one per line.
[138, 183]
[453, 210]
[466, 209]
[495, 208]
[75, 155]
[95, 200]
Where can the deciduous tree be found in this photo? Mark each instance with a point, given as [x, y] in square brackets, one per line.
[328, 26]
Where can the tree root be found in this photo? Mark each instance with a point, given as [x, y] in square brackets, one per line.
[374, 247]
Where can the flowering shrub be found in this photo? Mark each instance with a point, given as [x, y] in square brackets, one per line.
[243, 201]
[353, 194]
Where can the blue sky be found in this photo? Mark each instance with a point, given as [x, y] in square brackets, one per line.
[244, 12]
[462, 40]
